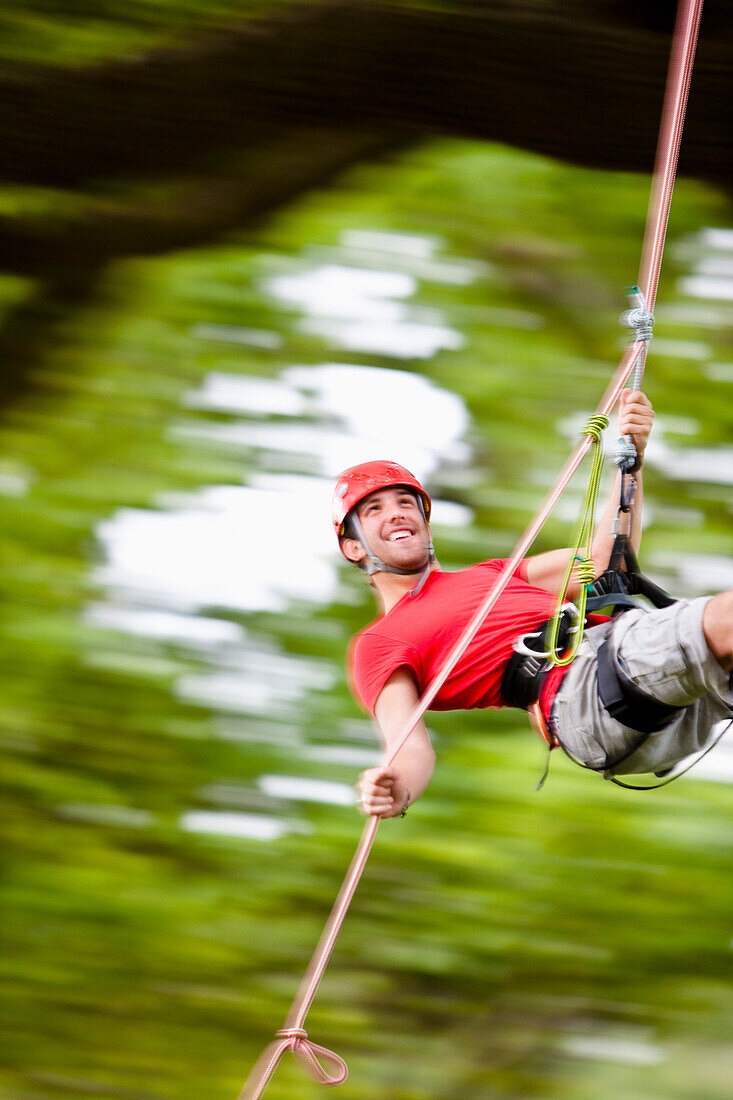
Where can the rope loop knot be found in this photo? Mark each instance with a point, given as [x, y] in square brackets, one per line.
[638, 317]
[294, 1034]
[585, 570]
[595, 427]
[642, 321]
[311, 1056]
[626, 456]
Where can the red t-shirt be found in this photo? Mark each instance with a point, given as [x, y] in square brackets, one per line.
[419, 632]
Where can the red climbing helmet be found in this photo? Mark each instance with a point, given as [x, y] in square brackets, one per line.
[359, 481]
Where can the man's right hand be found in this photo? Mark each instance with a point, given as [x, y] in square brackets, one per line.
[381, 793]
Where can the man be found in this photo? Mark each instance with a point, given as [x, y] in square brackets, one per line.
[668, 670]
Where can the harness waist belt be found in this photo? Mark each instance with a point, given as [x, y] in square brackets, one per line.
[523, 678]
[527, 668]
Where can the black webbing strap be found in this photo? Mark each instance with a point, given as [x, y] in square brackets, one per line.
[527, 668]
[623, 700]
[617, 586]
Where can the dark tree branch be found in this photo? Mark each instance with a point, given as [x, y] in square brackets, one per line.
[35, 324]
[191, 212]
[295, 100]
[577, 80]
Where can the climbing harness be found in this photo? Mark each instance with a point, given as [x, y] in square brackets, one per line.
[293, 1036]
[622, 580]
[527, 668]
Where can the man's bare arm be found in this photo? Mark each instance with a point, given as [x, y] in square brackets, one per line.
[386, 792]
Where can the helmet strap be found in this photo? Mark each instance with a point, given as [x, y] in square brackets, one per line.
[431, 548]
[426, 573]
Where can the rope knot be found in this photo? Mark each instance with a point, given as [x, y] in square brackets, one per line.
[642, 321]
[638, 317]
[313, 1058]
[585, 570]
[626, 456]
[595, 427]
[295, 1035]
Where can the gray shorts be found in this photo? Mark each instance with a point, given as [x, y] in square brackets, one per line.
[665, 653]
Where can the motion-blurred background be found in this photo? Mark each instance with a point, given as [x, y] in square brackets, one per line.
[243, 245]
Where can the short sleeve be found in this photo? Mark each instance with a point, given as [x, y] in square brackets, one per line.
[499, 563]
[372, 660]
[521, 571]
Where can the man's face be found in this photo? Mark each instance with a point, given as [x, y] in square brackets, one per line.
[394, 527]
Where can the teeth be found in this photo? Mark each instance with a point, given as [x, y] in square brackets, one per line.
[400, 535]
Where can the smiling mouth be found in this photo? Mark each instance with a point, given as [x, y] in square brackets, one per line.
[398, 536]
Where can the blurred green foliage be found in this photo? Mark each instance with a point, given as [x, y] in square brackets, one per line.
[88, 32]
[569, 944]
[94, 31]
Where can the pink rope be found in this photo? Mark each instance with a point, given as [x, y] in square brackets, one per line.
[293, 1035]
[307, 1053]
[684, 42]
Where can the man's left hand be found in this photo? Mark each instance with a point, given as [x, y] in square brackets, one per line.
[635, 418]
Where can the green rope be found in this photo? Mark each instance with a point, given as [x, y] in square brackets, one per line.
[585, 571]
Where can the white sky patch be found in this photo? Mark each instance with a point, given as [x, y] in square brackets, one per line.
[718, 238]
[719, 288]
[361, 308]
[719, 372]
[420, 255]
[16, 478]
[387, 409]
[607, 1048]
[707, 465]
[253, 680]
[718, 764]
[673, 348]
[349, 755]
[237, 393]
[715, 264]
[687, 313]
[446, 513]
[698, 573]
[165, 626]
[334, 290]
[401, 339]
[234, 824]
[411, 245]
[300, 789]
[233, 546]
